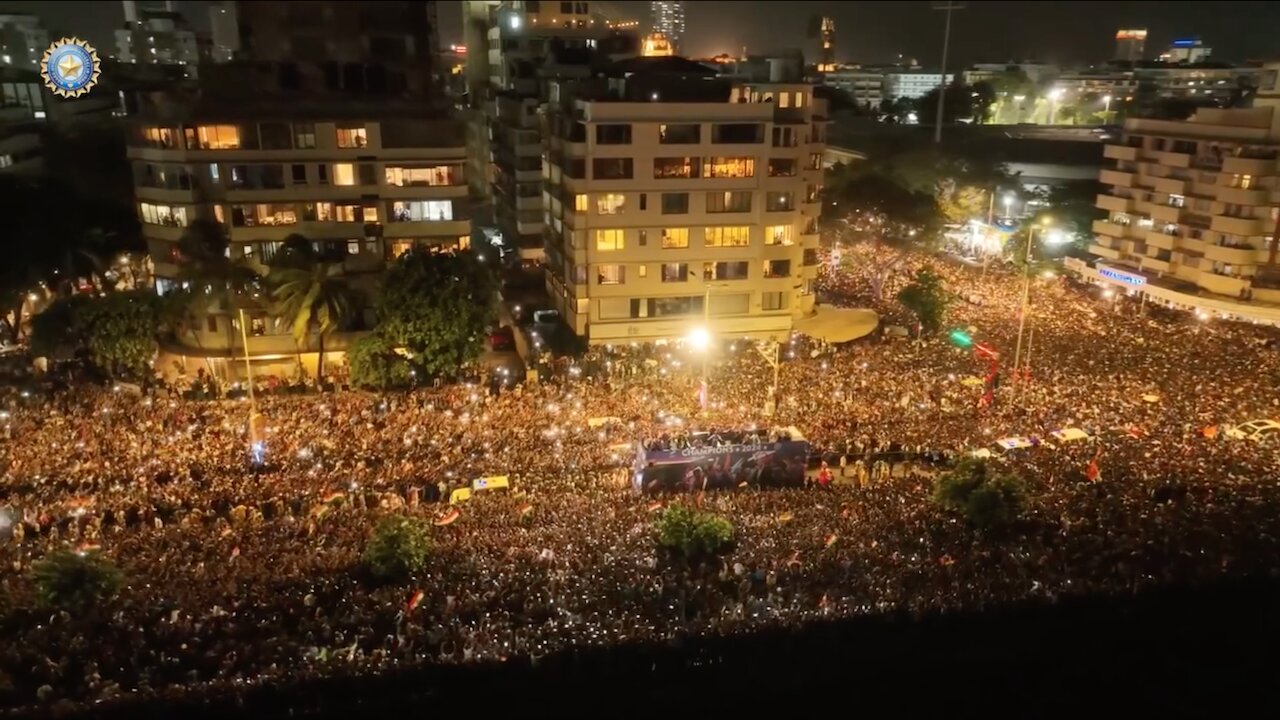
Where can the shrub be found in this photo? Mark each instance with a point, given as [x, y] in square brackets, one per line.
[76, 581]
[375, 365]
[692, 534]
[985, 498]
[397, 547]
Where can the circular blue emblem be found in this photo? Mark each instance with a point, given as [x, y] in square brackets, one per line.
[70, 67]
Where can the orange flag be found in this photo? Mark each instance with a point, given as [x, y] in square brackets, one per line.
[449, 517]
[831, 540]
[414, 601]
[1093, 472]
[655, 506]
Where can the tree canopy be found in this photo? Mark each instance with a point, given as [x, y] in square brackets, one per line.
[436, 306]
[115, 332]
[927, 299]
[985, 497]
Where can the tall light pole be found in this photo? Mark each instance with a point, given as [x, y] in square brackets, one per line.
[1106, 113]
[1054, 95]
[947, 7]
[1026, 288]
[700, 339]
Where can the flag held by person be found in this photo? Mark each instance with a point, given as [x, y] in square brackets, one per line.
[414, 601]
[1093, 472]
[449, 517]
[831, 540]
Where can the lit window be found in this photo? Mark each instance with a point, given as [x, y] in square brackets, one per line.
[354, 137]
[344, 174]
[370, 214]
[728, 167]
[643, 271]
[609, 240]
[213, 137]
[610, 274]
[736, 236]
[674, 238]
[580, 203]
[610, 203]
[779, 235]
[784, 99]
[420, 210]
[170, 215]
[435, 176]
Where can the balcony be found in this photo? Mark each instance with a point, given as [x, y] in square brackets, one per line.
[1222, 284]
[1160, 240]
[1167, 158]
[1247, 227]
[1114, 203]
[1118, 178]
[1166, 213]
[1249, 166]
[1233, 255]
[1241, 196]
[1155, 264]
[1120, 152]
[428, 228]
[1192, 245]
[1173, 186]
[1110, 229]
[171, 233]
[1103, 251]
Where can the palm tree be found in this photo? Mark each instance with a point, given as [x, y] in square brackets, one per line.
[214, 280]
[310, 295]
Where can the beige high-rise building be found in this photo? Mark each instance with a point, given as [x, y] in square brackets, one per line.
[675, 201]
[1192, 210]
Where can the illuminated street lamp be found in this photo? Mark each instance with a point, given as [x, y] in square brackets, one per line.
[1008, 204]
[1106, 112]
[1054, 96]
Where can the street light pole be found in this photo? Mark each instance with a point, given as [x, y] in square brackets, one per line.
[1026, 296]
[706, 353]
[948, 8]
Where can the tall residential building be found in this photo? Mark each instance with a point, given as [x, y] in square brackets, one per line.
[1192, 207]
[864, 85]
[1186, 50]
[224, 29]
[531, 43]
[157, 37]
[668, 19]
[1130, 44]
[23, 41]
[677, 199]
[912, 84]
[827, 49]
[358, 165]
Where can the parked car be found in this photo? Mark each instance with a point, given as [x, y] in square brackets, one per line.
[502, 338]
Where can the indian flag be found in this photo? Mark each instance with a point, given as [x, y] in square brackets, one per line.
[831, 540]
[334, 496]
[449, 517]
[525, 509]
[414, 601]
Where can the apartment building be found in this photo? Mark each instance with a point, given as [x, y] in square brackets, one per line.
[912, 84]
[676, 200]
[530, 43]
[1192, 205]
[865, 86]
[361, 181]
[156, 37]
[23, 40]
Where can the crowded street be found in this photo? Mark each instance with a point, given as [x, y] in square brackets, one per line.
[240, 572]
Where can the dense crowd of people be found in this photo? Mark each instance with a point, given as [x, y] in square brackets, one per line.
[241, 572]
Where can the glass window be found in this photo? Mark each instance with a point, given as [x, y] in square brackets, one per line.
[267, 214]
[344, 174]
[777, 268]
[722, 202]
[782, 167]
[610, 203]
[729, 167]
[643, 201]
[611, 169]
[304, 136]
[433, 176]
[299, 174]
[158, 137]
[213, 137]
[737, 133]
[784, 99]
[676, 167]
[580, 203]
[779, 235]
[213, 172]
[610, 274]
[346, 213]
[733, 236]
[353, 247]
[275, 136]
[370, 214]
[675, 203]
[170, 215]
[420, 210]
[613, 134]
[609, 240]
[675, 238]
[681, 134]
[642, 271]
[352, 137]
[735, 270]
[779, 201]
[773, 301]
[675, 272]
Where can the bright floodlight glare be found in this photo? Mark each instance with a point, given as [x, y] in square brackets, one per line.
[1055, 237]
[1056, 93]
[1106, 98]
[699, 338]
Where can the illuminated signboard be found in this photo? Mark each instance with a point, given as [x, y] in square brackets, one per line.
[1121, 276]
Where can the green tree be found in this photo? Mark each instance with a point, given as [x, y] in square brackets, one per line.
[986, 498]
[116, 332]
[311, 296]
[76, 581]
[375, 365]
[927, 299]
[436, 306]
[397, 548]
[217, 282]
[693, 535]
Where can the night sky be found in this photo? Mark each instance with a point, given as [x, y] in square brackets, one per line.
[1063, 32]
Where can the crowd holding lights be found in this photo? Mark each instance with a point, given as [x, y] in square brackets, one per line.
[242, 574]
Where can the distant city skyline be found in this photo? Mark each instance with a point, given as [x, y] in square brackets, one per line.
[1060, 32]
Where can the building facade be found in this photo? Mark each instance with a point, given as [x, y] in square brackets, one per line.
[1193, 205]
[865, 86]
[1186, 50]
[157, 37]
[912, 84]
[1131, 44]
[23, 41]
[224, 31]
[681, 202]
[668, 18]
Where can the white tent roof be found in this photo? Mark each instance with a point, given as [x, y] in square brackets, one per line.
[837, 325]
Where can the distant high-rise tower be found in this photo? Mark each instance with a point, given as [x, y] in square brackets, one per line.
[827, 60]
[1130, 44]
[668, 19]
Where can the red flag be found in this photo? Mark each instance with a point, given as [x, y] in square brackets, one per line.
[831, 540]
[655, 506]
[414, 601]
[525, 509]
[449, 517]
[946, 560]
[1093, 472]
[235, 552]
